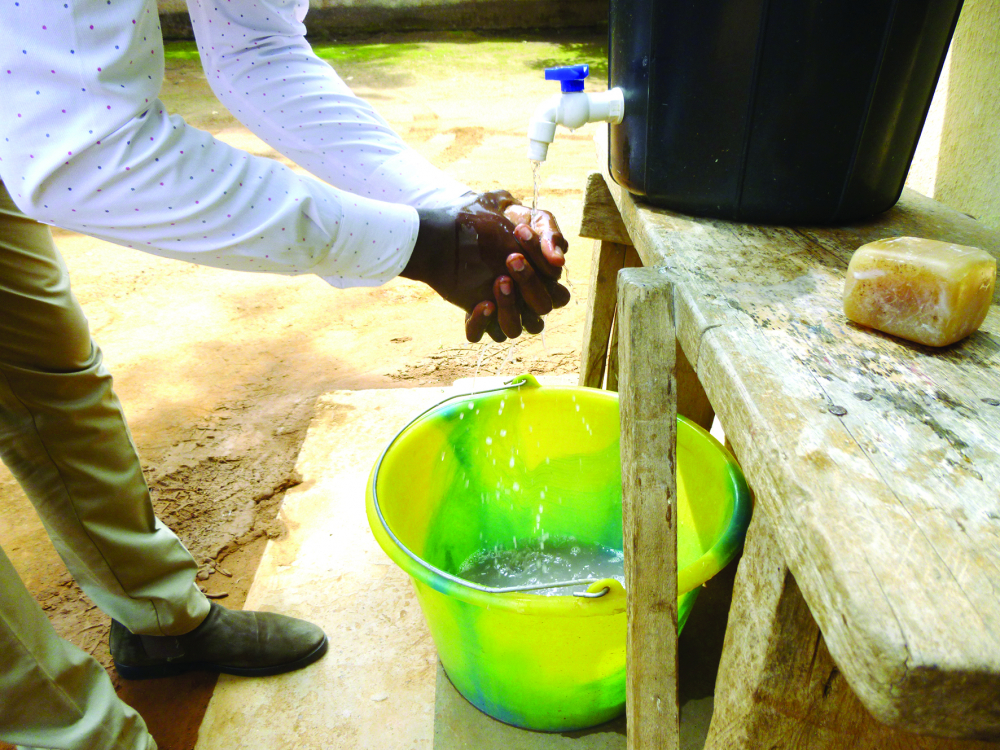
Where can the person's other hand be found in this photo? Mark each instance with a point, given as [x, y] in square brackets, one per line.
[502, 274]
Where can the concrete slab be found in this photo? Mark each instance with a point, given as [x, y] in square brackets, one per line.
[458, 725]
[381, 686]
[375, 688]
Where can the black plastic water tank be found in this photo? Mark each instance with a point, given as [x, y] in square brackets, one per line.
[773, 111]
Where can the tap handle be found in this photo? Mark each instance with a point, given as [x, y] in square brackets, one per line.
[571, 76]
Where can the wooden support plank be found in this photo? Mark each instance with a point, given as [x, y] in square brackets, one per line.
[609, 257]
[600, 219]
[778, 688]
[631, 261]
[649, 502]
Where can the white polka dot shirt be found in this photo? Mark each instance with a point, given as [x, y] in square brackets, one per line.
[87, 145]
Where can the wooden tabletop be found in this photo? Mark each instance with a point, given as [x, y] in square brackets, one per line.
[876, 461]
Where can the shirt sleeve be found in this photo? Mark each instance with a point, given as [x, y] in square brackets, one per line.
[259, 64]
[88, 146]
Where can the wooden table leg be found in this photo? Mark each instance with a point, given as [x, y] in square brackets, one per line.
[612, 380]
[692, 401]
[609, 257]
[648, 402]
[778, 688]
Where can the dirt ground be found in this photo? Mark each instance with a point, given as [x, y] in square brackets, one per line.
[219, 371]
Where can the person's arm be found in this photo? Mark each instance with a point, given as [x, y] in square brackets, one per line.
[261, 67]
[259, 64]
[87, 146]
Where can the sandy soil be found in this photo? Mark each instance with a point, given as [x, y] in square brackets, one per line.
[219, 371]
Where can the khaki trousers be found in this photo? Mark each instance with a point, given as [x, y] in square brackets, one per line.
[64, 437]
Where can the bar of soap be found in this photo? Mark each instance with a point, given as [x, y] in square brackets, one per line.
[931, 292]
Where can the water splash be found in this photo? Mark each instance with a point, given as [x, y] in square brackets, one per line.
[507, 359]
[479, 363]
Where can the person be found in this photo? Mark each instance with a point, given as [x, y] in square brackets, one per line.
[88, 146]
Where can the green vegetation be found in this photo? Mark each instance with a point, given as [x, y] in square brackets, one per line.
[491, 54]
[180, 51]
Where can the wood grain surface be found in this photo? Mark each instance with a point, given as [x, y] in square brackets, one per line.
[778, 687]
[648, 401]
[878, 460]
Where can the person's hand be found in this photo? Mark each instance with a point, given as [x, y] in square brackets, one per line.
[502, 273]
[544, 227]
[533, 275]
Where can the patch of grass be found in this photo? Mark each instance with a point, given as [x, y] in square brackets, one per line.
[490, 54]
[180, 51]
[353, 54]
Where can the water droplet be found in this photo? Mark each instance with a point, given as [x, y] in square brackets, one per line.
[489, 441]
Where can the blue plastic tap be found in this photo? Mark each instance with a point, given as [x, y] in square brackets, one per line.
[571, 108]
[571, 76]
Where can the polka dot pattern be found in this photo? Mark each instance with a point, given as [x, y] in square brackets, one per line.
[87, 144]
[261, 67]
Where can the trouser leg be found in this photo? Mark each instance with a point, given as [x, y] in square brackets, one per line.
[64, 437]
[53, 694]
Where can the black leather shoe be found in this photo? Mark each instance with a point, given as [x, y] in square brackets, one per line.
[251, 644]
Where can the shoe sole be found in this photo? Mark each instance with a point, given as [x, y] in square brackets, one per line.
[168, 669]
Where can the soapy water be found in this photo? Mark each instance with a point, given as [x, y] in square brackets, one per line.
[531, 562]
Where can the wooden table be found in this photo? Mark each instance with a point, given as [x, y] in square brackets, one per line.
[867, 602]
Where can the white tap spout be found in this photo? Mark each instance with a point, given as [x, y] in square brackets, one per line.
[571, 110]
